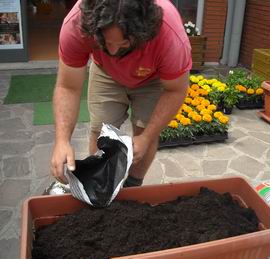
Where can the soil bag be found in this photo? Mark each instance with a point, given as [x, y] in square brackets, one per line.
[98, 178]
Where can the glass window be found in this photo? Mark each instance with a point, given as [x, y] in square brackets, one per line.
[187, 9]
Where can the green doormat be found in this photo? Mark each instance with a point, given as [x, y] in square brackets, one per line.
[33, 89]
[43, 113]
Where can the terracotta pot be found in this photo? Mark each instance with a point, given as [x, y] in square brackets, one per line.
[44, 210]
[266, 113]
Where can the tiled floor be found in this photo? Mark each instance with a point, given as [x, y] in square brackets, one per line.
[25, 157]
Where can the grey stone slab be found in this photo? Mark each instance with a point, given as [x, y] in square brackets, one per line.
[186, 160]
[247, 166]
[5, 115]
[251, 125]
[80, 133]
[13, 191]
[220, 151]
[11, 124]
[16, 167]
[20, 109]
[262, 136]
[41, 128]
[38, 186]
[42, 160]
[268, 154]
[80, 145]
[172, 168]
[214, 167]
[252, 147]
[154, 175]
[16, 148]
[16, 135]
[5, 216]
[245, 114]
[44, 137]
[9, 248]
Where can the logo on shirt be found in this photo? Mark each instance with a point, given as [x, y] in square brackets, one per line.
[143, 71]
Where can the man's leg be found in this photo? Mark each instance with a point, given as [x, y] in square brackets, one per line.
[93, 142]
[139, 170]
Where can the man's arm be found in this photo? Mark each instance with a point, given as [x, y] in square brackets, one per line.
[169, 102]
[66, 104]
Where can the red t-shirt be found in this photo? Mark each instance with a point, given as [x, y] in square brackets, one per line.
[166, 56]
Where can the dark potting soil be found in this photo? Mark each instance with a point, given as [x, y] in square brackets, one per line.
[127, 227]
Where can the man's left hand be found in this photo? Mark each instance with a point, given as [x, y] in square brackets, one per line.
[140, 146]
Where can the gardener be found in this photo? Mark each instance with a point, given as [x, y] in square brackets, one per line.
[141, 58]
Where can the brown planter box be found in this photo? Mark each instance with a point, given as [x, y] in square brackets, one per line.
[198, 45]
[266, 113]
[44, 210]
[261, 63]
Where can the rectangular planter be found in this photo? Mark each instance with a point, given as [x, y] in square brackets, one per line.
[266, 113]
[182, 142]
[246, 104]
[261, 63]
[44, 210]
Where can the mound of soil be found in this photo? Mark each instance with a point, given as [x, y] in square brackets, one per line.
[127, 227]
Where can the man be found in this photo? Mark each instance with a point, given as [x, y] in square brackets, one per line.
[140, 58]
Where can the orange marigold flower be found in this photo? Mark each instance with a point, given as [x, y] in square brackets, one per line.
[195, 102]
[205, 102]
[203, 92]
[200, 107]
[250, 91]
[259, 91]
[195, 87]
[197, 117]
[212, 107]
[188, 100]
[223, 119]
[179, 116]
[242, 89]
[185, 121]
[207, 117]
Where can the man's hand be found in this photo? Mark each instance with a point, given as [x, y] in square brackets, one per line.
[63, 153]
[140, 146]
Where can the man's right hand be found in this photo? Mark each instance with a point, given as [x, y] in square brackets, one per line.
[63, 153]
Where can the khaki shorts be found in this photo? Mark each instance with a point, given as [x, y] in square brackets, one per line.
[108, 101]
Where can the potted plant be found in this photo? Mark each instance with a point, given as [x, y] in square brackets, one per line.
[45, 210]
[196, 121]
[198, 45]
[247, 85]
[266, 113]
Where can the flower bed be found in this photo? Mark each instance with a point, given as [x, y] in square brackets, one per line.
[197, 120]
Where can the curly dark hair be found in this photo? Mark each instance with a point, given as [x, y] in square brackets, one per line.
[139, 19]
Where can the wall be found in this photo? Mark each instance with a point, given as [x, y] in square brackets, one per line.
[215, 12]
[256, 30]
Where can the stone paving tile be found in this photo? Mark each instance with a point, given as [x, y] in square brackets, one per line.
[16, 167]
[214, 167]
[247, 166]
[5, 217]
[251, 146]
[9, 248]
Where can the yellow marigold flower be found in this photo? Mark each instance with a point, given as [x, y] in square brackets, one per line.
[188, 109]
[197, 117]
[201, 83]
[218, 114]
[191, 114]
[200, 77]
[195, 102]
[259, 91]
[237, 87]
[188, 100]
[214, 80]
[212, 107]
[223, 119]
[250, 91]
[205, 111]
[221, 88]
[194, 79]
[200, 107]
[179, 116]
[194, 87]
[173, 124]
[207, 117]
[205, 102]
[216, 84]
